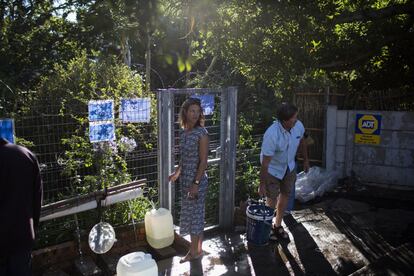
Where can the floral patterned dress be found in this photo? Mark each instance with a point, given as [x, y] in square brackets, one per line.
[192, 210]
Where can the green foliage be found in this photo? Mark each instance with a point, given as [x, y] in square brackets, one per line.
[213, 194]
[112, 26]
[266, 48]
[94, 166]
[32, 39]
[126, 212]
[23, 142]
[248, 167]
[290, 44]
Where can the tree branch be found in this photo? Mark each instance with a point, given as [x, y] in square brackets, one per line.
[374, 14]
[371, 50]
[345, 64]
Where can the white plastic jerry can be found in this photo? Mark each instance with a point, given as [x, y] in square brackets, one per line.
[137, 263]
[159, 228]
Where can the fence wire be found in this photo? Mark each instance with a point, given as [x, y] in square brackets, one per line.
[212, 124]
[48, 131]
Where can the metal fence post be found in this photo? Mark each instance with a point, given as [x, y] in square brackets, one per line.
[228, 157]
[165, 140]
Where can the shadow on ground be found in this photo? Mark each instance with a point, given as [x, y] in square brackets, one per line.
[335, 235]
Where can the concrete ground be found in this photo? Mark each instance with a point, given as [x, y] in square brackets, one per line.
[341, 234]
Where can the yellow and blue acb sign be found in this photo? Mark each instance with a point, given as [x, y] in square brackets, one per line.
[367, 129]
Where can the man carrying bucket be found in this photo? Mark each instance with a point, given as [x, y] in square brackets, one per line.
[277, 173]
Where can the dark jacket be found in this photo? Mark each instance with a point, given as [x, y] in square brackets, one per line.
[20, 197]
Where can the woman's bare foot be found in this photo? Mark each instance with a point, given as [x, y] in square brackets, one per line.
[186, 258]
[189, 257]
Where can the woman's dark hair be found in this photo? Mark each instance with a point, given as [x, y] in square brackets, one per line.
[182, 117]
[285, 111]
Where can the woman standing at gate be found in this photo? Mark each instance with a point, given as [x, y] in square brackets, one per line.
[192, 173]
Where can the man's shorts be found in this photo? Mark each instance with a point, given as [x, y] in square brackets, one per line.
[274, 186]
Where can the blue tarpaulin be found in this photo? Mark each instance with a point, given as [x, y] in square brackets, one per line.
[7, 129]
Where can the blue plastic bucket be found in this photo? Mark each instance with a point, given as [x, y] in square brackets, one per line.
[259, 223]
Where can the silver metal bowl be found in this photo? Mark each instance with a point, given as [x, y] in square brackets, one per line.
[101, 238]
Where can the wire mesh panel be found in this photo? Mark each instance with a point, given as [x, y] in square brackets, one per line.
[212, 124]
[60, 130]
[71, 165]
[219, 107]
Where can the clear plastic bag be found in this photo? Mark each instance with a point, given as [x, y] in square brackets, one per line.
[314, 183]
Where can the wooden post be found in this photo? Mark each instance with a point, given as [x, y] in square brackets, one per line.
[325, 128]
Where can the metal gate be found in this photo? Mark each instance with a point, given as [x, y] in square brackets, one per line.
[221, 125]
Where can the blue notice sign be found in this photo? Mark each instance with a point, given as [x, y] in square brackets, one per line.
[101, 131]
[101, 110]
[7, 129]
[135, 110]
[207, 103]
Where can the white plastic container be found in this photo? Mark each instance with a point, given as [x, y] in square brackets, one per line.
[137, 263]
[159, 228]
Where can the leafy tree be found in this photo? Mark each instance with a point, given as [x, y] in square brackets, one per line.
[32, 39]
[364, 44]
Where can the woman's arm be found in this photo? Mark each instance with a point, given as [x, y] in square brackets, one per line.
[202, 166]
[203, 154]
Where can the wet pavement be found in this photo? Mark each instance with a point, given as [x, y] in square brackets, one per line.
[356, 231]
[335, 236]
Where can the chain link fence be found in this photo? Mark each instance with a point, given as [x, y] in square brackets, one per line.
[71, 165]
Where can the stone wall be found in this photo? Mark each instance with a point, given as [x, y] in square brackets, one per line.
[390, 163]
